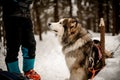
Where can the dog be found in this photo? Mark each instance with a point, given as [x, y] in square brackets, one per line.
[80, 51]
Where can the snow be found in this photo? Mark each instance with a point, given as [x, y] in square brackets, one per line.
[50, 62]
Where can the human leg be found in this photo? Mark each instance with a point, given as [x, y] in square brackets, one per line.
[28, 45]
[28, 50]
[13, 43]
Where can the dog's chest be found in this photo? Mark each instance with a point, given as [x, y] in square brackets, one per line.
[70, 61]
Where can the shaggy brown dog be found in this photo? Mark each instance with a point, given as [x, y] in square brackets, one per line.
[80, 51]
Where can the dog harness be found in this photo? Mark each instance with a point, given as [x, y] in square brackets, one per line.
[93, 70]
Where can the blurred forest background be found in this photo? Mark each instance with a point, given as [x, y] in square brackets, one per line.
[88, 12]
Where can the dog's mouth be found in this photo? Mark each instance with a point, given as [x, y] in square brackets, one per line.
[55, 30]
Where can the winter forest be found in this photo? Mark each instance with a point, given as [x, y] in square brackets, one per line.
[88, 13]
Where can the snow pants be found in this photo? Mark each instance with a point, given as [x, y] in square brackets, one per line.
[19, 33]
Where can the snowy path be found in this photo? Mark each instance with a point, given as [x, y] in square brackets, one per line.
[50, 63]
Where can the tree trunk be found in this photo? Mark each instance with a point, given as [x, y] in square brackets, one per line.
[79, 10]
[0, 31]
[0, 24]
[100, 9]
[56, 17]
[107, 17]
[34, 21]
[116, 18]
[38, 22]
[89, 23]
[71, 8]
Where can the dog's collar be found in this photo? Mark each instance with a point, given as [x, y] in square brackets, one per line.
[79, 43]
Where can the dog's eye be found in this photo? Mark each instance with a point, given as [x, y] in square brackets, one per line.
[60, 23]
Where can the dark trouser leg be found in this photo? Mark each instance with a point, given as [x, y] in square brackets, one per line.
[13, 36]
[28, 46]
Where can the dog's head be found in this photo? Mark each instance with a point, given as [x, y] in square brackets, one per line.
[57, 27]
[68, 30]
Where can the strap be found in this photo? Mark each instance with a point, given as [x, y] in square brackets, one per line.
[99, 52]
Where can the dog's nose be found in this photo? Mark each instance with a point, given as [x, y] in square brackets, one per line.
[49, 24]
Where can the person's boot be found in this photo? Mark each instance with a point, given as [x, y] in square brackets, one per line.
[13, 67]
[31, 74]
[28, 65]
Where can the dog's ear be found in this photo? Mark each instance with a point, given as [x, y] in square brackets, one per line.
[65, 22]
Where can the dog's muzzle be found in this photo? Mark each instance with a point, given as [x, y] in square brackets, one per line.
[49, 26]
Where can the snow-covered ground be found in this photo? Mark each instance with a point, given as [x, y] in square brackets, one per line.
[50, 63]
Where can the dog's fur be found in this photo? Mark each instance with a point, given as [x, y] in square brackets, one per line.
[78, 47]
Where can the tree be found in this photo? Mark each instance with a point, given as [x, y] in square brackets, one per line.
[38, 22]
[71, 8]
[56, 16]
[116, 17]
[80, 9]
[0, 24]
[100, 9]
[107, 16]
